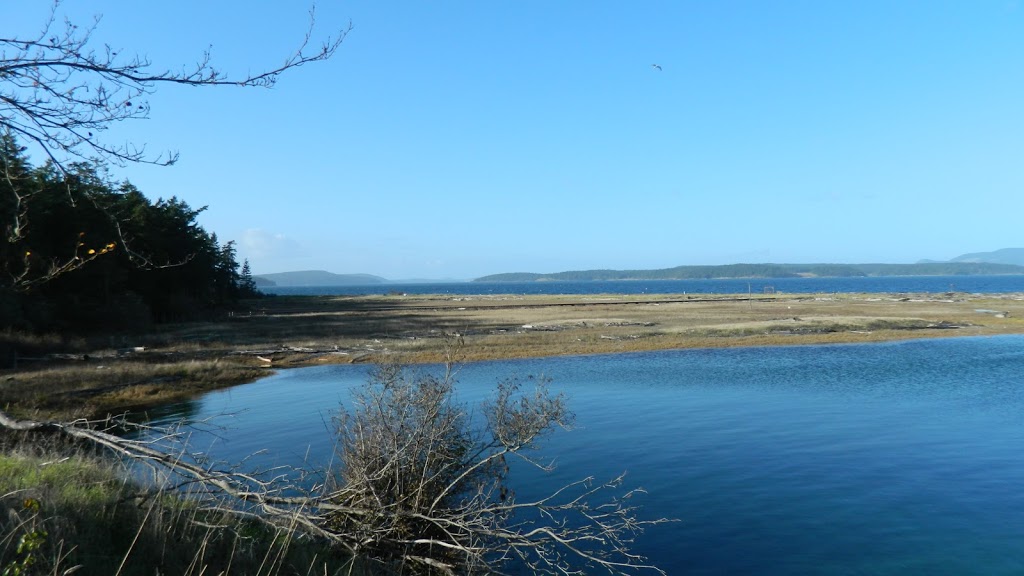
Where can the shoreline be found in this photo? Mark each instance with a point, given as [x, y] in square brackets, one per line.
[182, 361]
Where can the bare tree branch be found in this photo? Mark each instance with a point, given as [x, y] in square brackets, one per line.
[420, 492]
[441, 491]
[60, 92]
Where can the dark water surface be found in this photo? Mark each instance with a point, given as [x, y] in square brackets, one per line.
[934, 284]
[893, 458]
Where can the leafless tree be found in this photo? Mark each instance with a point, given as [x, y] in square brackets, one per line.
[422, 491]
[439, 492]
[61, 92]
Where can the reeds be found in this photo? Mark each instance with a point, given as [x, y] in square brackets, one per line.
[96, 387]
[80, 514]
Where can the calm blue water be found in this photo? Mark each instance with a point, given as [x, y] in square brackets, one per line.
[985, 284]
[895, 458]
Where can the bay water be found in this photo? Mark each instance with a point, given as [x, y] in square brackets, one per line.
[929, 284]
[890, 458]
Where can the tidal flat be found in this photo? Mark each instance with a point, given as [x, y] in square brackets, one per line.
[98, 375]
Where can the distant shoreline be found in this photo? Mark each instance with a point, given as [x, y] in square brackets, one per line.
[998, 283]
[177, 362]
[768, 271]
[792, 277]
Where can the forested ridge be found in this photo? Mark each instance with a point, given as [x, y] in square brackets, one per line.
[83, 252]
[766, 271]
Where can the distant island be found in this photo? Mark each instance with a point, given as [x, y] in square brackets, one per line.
[767, 271]
[1004, 261]
[315, 278]
[1003, 256]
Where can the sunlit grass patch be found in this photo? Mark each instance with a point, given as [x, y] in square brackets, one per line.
[87, 388]
[80, 511]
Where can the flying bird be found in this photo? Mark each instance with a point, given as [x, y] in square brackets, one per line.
[656, 67]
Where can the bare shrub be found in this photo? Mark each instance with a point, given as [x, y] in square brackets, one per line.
[422, 491]
[424, 486]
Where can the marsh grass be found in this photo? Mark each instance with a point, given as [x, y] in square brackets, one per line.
[89, 388]
[183, 359]
[32, 343]
[80, 510]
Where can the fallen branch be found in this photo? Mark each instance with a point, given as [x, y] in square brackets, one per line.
[417, 488]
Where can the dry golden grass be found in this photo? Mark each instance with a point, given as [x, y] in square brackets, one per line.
[294, 331]
[529, 326]
[83, 389]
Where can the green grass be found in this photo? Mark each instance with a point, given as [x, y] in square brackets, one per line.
[59, 513]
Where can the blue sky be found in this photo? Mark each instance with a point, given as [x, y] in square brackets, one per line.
[458, 139]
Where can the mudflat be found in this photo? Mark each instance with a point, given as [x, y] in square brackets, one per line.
[280, 332]
[355, 329]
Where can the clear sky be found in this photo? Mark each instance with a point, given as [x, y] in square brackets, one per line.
[458, 139]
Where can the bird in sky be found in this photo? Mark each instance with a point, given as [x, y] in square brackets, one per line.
[656, 67]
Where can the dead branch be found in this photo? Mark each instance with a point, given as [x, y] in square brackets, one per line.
[61, 92]
[419, 491]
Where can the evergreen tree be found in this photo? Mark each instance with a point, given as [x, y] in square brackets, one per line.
[247, 286]
[87, 253]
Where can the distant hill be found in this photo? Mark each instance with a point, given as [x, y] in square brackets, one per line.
[262, 282]
[767, 271]
[1003, 256]
[317, 278]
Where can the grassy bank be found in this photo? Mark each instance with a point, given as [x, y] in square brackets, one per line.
[61, 512]
[65, 377]
[79, 388]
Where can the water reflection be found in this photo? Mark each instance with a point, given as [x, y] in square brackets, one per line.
[883, 458]
[182, 411]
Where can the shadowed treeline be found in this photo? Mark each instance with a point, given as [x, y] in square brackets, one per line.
[83, 253]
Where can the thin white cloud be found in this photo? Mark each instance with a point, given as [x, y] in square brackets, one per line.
[259, 245]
